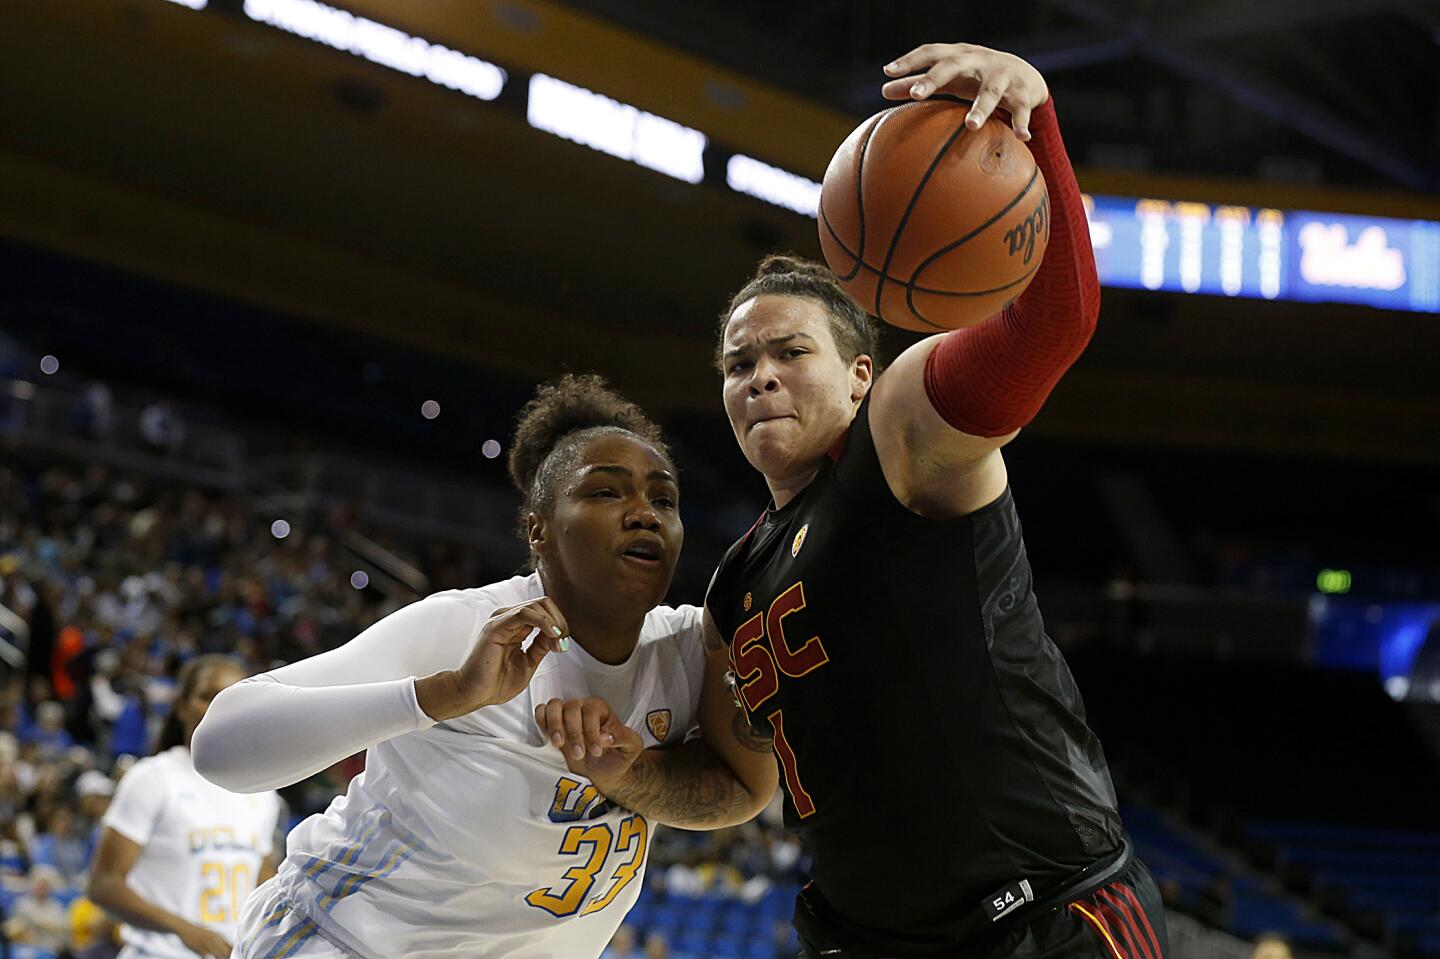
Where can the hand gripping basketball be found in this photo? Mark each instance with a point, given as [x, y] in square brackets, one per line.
[932, 217]
[990, 78]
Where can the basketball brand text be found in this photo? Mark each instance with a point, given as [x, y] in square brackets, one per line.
[1021, 236]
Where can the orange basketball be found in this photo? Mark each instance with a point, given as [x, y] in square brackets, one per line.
[931, 226]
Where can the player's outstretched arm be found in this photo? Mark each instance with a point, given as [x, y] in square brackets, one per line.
[279, 727]
[722, 779]
[947, 404]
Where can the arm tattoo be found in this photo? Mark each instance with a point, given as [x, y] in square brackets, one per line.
[748, 736]
[713, 640]
[686, 785]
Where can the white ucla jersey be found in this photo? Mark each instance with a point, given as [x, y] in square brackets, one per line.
[472, 837]
[202, 846]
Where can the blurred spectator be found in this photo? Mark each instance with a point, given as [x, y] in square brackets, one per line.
[658, 947]
[93, 792]
[61, 846]
[37, 918]
[94, 414]
[783, 940]
[161, 427]
[1271, 945]
[48, 733]
[622, 944]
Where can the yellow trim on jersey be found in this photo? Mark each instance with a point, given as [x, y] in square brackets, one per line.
[354, 881]
[273, 918]
[301, 935]
[1100, 927]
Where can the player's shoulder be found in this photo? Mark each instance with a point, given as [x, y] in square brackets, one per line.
[485, 599]
[677, 625]
[672, 620]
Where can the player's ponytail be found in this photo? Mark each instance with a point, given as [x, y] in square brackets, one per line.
[856, 333]
[551, 428]
[172, 733]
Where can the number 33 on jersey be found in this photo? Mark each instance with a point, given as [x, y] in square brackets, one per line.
[606, 856]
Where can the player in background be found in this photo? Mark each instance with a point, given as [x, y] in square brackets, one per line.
[467, 834]
[178, 855]
[880, 617]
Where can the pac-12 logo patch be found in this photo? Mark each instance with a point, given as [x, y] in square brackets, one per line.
[799, 541]
[658, 720]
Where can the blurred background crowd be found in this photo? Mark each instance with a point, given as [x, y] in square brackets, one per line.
[269, 304]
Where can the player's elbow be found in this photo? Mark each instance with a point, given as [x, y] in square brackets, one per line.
[760, 788]
[208, 755]
[215, 757]
[100, 888]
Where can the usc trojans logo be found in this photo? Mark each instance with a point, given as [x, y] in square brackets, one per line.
[658, 721]
[799, 541]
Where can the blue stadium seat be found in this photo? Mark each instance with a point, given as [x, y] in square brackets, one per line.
[667, 916]
[1292, 833]
[1251, 916]
[727, 947]
[1396, 901]
[1418, 926]
[692, 940]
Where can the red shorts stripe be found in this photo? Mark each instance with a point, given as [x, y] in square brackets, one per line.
[1117, 906]
[1099, 925]
[1122, 928]
[1141, 919]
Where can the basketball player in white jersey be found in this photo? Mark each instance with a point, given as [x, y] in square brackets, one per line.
[178, 855]
[468, 834]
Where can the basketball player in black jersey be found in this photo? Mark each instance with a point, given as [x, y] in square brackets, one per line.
[879, 622]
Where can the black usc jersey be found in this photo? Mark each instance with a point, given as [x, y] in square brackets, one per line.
[932, 742]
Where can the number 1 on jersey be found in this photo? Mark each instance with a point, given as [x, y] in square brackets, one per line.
[799, 798]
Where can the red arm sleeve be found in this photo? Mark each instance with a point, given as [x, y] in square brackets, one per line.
[991, 379]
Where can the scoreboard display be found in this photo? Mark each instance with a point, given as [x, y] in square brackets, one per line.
[1188, 247]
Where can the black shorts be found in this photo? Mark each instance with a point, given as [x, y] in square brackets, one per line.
[1122, 919]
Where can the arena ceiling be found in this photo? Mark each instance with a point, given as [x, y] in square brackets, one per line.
[1339, 91]
[216, 154]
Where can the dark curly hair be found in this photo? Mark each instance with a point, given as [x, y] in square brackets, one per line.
[856, 333]
[555, 425]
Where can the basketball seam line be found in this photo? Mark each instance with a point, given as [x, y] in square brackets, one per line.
[910, 208]
[859, 201]
[910, 288]
[922, 289]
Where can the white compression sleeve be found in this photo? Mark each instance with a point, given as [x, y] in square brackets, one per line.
[279, 727]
